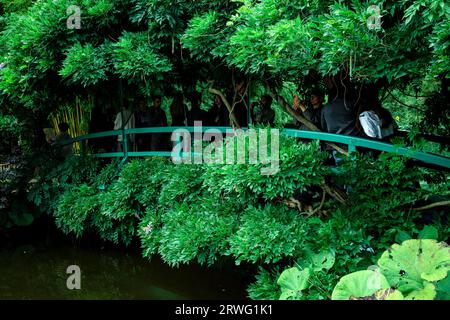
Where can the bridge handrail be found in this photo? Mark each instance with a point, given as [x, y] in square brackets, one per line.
[350, 141]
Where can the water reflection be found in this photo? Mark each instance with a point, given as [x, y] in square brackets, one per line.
[39, 272]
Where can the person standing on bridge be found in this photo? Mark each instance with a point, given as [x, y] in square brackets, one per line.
[143, 120]
[158, 118]
[196, 113]
[339, 115]
[124, 120]
[178, 110]
[314, 111]
[263, 113]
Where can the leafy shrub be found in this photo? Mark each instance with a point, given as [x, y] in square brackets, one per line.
[124, 202]
[55, 178]
[85, 64]
[75, 209]
[186, 187]
[301, 166]
[268, 235]
[199, 232]
[265, 287]
[385, 185]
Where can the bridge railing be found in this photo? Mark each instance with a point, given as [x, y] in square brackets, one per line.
[435, 160]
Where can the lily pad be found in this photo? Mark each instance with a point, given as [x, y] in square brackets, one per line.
[359, 284]
[408, 265]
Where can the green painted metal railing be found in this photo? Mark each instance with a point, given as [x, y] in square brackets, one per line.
[352, 142]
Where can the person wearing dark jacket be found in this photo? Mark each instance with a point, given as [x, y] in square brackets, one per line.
[314, 112]
[263, 113]
[143, 120]
[178, 111]
[218, 115]
[339, 116]
[196, 114]
[158, 118]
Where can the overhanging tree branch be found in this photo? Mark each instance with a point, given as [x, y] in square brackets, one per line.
[227, 104]
[433, 205]
[298, 116]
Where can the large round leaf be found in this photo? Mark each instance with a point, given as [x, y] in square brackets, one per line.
[406, 266]
[428, 292]
[292, 281]
[324, 260]
[359, 284]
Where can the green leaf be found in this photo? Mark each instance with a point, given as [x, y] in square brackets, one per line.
[406, 266]
[443, 289]
[359, 284]
[402, 236]
[292, 281]
[319, 261]
[428, 232]
[428, 292]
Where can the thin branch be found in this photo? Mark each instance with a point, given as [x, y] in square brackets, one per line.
[227, 104]
[311, 213]
[433, 205]
[402, 103]
[335, 192]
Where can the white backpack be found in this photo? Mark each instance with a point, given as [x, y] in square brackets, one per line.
[371, 124]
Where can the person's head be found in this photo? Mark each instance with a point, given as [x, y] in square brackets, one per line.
[240, 86]
[218, 100]
[266, 101]
[195, 99]
[157, 99]
[63, 127]
[142, 104]
[316, 98]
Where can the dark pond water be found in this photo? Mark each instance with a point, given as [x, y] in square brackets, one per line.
[36, 269]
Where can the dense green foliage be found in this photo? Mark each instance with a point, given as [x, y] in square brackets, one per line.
[201, 213]
[186, 213]
[168, 45]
